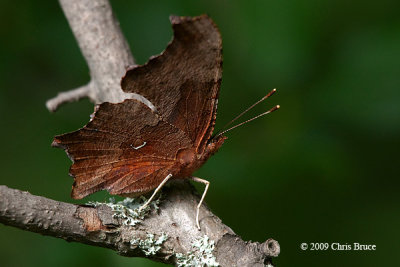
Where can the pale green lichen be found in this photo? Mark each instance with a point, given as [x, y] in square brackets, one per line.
[200, 256]
[128, 209]
[151, 245]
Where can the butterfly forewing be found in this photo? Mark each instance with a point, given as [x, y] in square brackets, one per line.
[183, 82]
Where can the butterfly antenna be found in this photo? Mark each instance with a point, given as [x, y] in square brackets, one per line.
[252, 119]
[249, 108]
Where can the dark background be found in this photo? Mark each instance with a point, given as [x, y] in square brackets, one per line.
[324, 168]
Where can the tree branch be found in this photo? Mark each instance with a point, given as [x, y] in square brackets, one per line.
[104, 48]
[107, 54]
[98, 227]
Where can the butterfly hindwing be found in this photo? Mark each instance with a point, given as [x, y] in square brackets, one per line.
[117, 153]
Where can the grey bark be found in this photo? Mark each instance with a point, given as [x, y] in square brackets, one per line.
[96, 226]
[105, 50]
[107, 54]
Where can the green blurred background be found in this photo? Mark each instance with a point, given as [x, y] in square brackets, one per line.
[324, 168]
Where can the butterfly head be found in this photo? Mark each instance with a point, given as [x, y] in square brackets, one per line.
[213, 145]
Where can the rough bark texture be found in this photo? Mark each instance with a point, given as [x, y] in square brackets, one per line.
[107, 55]
[96, 226]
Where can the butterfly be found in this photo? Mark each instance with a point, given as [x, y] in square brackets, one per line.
[131, 149]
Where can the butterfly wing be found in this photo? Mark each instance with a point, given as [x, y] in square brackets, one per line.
[124, 149]
[183, 82]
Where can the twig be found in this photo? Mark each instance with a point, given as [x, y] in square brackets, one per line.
[69, 96]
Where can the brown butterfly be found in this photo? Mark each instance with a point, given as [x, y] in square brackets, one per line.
[129, 149]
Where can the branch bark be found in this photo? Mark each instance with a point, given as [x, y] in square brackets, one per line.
[97, 226]
[105, 50]
[107, 54]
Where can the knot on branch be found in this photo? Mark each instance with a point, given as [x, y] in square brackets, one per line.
[231, 246]
[270, 248]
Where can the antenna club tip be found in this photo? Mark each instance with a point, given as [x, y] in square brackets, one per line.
[274, 89]
[278, 106]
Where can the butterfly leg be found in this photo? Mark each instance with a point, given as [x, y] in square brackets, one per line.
[207, 183]
[155, 192]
